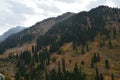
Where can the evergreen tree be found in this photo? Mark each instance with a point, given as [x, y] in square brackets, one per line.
[95, 57]
[46, 76]
[98, 56]
[97, 74]
[101, 76]
[87, 47]
[59, 69]
[83, 77]
[112, 77]
[114, 33]
[82, 62]
[33, 49]
[92, 62]
[27, 77]
[59, 74]
[17, 75]
[83, 52]
[76, 72]
[110, 44]
[107, 64]
[36, 58]
[53, 75]
[48, 59]
[63, 65]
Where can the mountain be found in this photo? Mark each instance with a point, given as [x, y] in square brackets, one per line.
[32, 33]
[78, 27]
[84, 46]
[11, 31]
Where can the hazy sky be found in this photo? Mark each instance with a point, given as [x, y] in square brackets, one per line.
[28, 12]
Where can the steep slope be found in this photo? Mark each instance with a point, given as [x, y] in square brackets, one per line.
[83, 27]
[11, 31]
[32, 33]
[88, 39]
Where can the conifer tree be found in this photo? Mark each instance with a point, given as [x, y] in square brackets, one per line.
[59, 74]
[76, 72]
[63, 65]
[87, 47]
[48, 59]
[17, 75]
[83, 52]
[92, 62]
[97, 74]
[59, 69]
[46, 76]
[53, 75]
[110, 44]
[114, 32]
[112, 77]
[107, 64]
[101, 76]
[98, 56]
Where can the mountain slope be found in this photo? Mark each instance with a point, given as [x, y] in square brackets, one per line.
[82, 27]
[88, 39]
[28, 35]
[11, 31]
[84, 46]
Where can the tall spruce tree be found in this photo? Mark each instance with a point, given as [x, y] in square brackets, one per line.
[63, 65]
[97, 74]
[107, 64]
[76, 72]
[112, 77]
[101, 76]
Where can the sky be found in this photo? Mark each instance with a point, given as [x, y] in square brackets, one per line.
[27, 12]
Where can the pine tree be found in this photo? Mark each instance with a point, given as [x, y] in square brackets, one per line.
[92, 62]
[87, 47]
[112, 77]
[17, 75]
[46, 76]
[110, 44]
[114, 33]
[95, 57]
[83, 77]
[107, 64]
[101, 76]
[82, 62]
[63, 65]
[98, 57]
[59, 74]
[83, 52]
[33, 49]
[48, 59]
[97, 74]
[53, 75]
[76, 72]
[27, 77]
[59, 69]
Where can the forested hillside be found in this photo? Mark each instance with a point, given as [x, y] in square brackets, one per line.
[84, 46]
[31, 34]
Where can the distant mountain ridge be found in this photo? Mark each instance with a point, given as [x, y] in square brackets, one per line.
[11, 31]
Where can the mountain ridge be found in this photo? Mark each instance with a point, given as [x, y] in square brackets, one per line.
[11, 31]
[35, 30]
